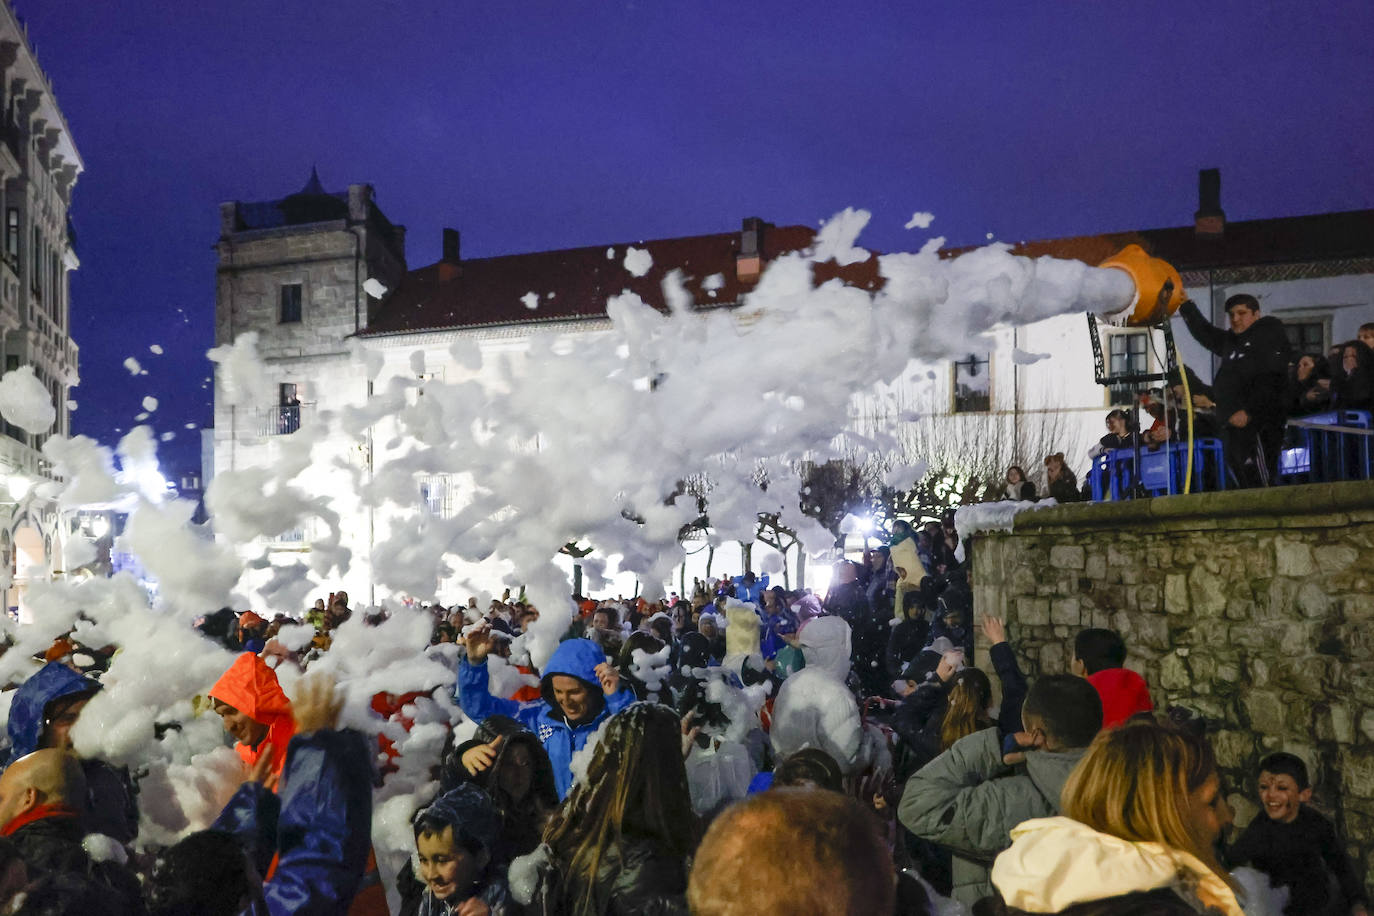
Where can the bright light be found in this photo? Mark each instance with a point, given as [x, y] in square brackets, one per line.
[152, 484]
[100, 526]
[18, 486]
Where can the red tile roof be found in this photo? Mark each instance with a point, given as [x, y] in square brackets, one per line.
[571, 284]
[1285, 240]
[488, 291]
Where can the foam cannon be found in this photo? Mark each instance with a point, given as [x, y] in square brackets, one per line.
[1152, 295]
[1149, 291]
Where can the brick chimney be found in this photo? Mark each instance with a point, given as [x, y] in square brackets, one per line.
[749, 261]
[1209, 222]
[450, 265]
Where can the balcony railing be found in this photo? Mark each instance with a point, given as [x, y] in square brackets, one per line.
[283, 420]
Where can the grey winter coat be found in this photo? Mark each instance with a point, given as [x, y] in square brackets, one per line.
[967, 800]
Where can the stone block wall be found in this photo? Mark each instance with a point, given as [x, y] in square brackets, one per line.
[1253, 608]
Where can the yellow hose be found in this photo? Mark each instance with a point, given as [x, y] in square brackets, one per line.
[1188, 400]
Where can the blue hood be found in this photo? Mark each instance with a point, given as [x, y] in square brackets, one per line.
[574, 658]
[48, 683]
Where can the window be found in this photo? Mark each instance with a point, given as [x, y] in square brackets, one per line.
[288, 408]
[1128, 354]
[436, 495]
[290, 303]
[12, 236]
[1306, 336]
[37, 261]
[973, 385]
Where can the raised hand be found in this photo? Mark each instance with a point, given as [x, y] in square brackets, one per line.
[316, 705]
[994, 629]
[478, 643]
[261, 771]
[609, 677]
[476, 759]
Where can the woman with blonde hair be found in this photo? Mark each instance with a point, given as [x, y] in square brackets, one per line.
[1142, 813]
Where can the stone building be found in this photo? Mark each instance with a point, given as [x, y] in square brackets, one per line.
[39, 167]
[296, 271]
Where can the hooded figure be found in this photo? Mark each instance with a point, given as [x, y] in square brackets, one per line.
[29, 709]
[825, 643]
[51, 690]
[547, 718]
[250, 689]
[519, 780]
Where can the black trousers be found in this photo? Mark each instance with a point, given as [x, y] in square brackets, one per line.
[1252, 453]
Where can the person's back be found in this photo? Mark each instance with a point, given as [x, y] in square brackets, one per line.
[1099, 655]
[970, 797]
[1294, 845]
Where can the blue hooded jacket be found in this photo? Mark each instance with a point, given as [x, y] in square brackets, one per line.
[51, 682]
[573, 658]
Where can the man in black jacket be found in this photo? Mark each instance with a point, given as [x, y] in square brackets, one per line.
[1249, 385]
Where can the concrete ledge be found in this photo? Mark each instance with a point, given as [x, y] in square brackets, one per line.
[1206, 510]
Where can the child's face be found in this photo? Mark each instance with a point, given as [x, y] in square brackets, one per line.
[446, 867]
[1367, 337]
[1281, 797]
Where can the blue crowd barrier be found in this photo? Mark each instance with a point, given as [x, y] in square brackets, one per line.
[1315, 454]
[1161, 471]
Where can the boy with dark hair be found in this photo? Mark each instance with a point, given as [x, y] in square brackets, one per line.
[455, 837]
[1099, 655]
[1295, 846]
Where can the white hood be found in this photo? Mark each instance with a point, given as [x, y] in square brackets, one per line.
[1056, 862]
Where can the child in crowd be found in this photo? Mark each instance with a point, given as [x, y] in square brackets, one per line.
[1297, 847]
[1099, 655]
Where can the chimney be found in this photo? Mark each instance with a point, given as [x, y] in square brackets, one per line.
[228, 218]
[359, 201]
[451, 249]
[749, 261]
[1209, 222]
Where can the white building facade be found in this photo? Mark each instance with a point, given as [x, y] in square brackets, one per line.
[39, 168]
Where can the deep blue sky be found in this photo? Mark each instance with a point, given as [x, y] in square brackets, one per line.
[542, 125]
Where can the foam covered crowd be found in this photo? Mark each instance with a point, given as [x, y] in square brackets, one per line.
[745, 748]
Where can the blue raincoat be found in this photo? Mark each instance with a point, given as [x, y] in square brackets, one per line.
[51, 682]
[319, 827]
[573, 658]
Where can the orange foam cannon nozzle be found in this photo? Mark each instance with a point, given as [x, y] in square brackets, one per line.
[1158, 288]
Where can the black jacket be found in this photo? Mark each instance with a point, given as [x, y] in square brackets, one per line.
[1253, 375]
[53, 844]
[634, 879]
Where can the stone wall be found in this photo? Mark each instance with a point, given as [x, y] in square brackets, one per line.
[1253, 608]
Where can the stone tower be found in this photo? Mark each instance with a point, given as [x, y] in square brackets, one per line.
[294, 270]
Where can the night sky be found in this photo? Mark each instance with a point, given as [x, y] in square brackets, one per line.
[531, 126]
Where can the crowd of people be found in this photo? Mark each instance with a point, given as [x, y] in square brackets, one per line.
[745, 748]
[1260, 383]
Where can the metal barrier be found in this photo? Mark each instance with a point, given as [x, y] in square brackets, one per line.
[1328, 447]
[1119, 474]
